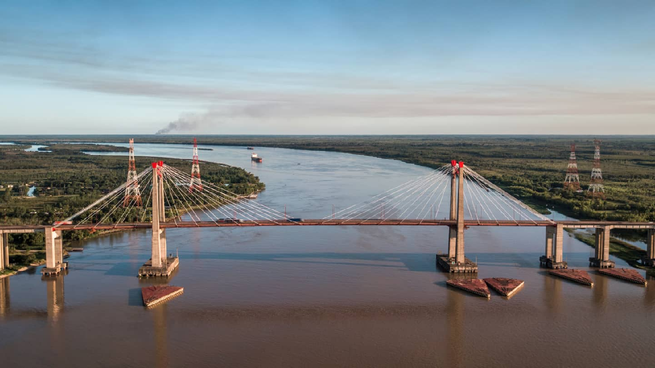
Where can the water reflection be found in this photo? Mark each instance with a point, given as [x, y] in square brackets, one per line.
[159, 314]
[649, 293]
[455, 313]
[553, 293]
[55, 286]
[600, 292]
[4, 297]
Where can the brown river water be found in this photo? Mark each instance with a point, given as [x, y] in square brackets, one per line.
[321, 297]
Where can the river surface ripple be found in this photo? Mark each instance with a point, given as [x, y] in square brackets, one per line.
[324, 296]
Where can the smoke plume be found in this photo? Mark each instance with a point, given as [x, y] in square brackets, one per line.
[179, 125]
[193, 121]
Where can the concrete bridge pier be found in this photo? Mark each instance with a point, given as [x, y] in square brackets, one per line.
[159, 263]
[452, 230]
[554, 253]
[649, 260]
[455, 260]
[54, 253]
[601, 258]
[4, 251]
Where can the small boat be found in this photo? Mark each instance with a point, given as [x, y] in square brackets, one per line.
[250, 148]
[255, 158]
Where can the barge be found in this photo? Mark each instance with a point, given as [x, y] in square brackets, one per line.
[625, 274]
[155, 295]
[474, 286]
[579, 276]
[503, 286]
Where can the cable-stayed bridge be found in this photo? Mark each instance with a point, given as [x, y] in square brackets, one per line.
[163, 197]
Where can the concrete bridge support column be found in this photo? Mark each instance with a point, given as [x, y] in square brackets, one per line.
[54, 253]
[554, 257]
[159, 264]
[452, 241]
[452, 230]
[459, 252]
[548, 252]
[649, 260]
[455, 260]
[602, 252]
[4, 251]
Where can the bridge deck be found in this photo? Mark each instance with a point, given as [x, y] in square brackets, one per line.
[334, 222]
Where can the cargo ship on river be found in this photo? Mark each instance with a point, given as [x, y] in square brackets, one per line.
[255, 158]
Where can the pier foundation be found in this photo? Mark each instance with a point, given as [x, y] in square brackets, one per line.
[54, 253]
[601, 259]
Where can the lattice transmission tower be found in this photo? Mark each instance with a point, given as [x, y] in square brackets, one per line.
[572, 180]
[196, 183]
[132, 190]
[596, 188]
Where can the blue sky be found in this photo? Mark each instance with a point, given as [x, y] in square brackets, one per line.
[327, 67]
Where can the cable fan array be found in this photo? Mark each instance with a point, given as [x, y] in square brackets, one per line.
[424, 198]
[428, 198]
[486, 201]
[119, 206]
[212, 203]
[420, 198]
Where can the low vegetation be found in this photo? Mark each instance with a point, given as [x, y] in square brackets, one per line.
[529, 167]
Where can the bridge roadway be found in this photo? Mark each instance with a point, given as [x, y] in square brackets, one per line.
[334, 222]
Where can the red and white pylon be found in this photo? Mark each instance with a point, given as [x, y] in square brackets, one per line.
[196, 183]
[572, 180]
[596, 188]
[132, 190]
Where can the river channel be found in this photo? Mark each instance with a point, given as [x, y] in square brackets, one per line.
[323, 296]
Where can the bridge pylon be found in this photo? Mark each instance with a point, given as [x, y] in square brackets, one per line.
[452, 230]
[455, 261]
[159, 263]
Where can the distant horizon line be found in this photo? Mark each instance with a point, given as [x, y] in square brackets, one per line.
[325, 135]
